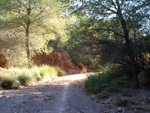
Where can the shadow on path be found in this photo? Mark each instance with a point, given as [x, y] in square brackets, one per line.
[62, 95]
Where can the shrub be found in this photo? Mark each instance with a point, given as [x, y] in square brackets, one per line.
[95, 84]
[8, 83]
[60, 72]
[24, 79]
[37, 76]
[119, 82]
[144, 78]
[36, 73]
[92, 84]
[14, 77]
[48, 71]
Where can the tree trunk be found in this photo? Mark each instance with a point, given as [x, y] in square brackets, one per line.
[27, 44]
[27, 34]
[129, 49]
[130, 53]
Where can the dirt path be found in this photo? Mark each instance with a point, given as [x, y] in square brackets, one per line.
[61, 95]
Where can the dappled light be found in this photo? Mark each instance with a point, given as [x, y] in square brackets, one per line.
[74, 56]
[54, 94]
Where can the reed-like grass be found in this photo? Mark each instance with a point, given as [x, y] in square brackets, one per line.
[13, 78]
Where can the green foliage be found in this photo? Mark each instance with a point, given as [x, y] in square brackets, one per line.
[60, 72]
[7, 42]
[95, 84]
[24, 79]
[120, 82]
[7, 82]
[50, 71]
[103, 36]
[36, 73]
[144, 78]
[107, 82]
[46, 20]
[47, 71]
[15, 77]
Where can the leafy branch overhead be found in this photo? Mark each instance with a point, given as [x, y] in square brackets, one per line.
[124, 19]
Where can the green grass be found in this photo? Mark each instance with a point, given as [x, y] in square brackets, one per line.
[13, 78]
[60, 72]
[49, 71]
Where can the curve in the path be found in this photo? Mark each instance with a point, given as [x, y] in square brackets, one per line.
[62, 95]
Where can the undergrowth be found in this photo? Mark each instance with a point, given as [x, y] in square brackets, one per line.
[105, 84]
[13, 78]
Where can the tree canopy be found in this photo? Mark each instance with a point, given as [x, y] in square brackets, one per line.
[106, 32]
[123, 23]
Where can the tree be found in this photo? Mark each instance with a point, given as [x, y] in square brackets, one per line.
[128, 43]
[27, 14]
[129, 14]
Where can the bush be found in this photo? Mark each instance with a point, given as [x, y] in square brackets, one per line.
[48, 71]
[60, 72]
[37, 76]
[124, 81]
[95, 84]
[35, 72]
[24, 79]
[144, 78]
[120, 82]
[104, 83]
[14, 77]
[8, 83]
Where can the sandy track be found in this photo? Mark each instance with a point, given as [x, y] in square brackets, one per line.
[61, 95]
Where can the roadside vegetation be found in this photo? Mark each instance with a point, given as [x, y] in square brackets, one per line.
[111, 37]
[112, 89]
[13, 78]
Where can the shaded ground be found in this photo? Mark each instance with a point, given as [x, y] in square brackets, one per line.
[61, 95]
